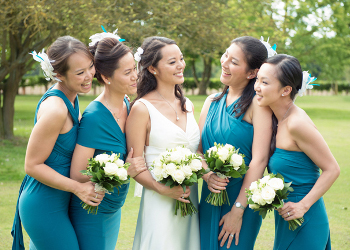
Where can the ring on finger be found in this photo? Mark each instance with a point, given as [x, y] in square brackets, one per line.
[96, 196]
[183, 197]
[288, 214]
[231, 235]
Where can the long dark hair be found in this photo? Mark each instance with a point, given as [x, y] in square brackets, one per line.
[289, 73]
[107, 54]
[61, 49]
[151, 56]
[255, 54]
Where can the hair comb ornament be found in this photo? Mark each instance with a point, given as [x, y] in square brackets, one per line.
[99, 36]
[45, 64]
[271, 51]
[306, 83]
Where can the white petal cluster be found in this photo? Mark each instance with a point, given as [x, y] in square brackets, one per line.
[270, 50]
[113, 166]
[227, 154]
[138, 54]
[179, 163]
[99, 36]
[45, 64]
[307, 79]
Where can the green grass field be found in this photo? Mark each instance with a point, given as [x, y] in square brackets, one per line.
[331, 115]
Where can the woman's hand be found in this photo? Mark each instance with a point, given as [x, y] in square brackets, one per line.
[232, 223]
[176, 193]
[215, 183]
[86, 193]
[292, 211]
[137, 166]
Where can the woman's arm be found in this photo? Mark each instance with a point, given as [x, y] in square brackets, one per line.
[80, 161]
[137, 127]
[52, 117]
[262, 122]
[311, 142]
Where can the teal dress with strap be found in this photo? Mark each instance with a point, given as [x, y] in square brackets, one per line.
[298, 168]
[43, 210]
[99, 130]
[222, 126]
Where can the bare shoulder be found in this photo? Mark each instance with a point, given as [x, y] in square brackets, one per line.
[139, 110]
[299, 124]
[259, 109]
[53, 108]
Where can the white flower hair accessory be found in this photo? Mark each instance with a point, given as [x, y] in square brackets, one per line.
[307, 79]
[45, 64]
[99, 36]
[271, 51]
[138, 54]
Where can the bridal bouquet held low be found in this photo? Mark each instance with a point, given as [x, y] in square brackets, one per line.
[226, 162]
[268, 193]
[179, 167]
[107, 172]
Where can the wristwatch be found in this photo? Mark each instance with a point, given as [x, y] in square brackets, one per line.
[239, 205]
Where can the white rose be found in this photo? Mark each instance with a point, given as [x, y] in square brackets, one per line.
[268, 194]
[102, 158]
[158, 173]
[276, 183]
[111, 169]
[236, 161]
[176, 157]
[111, 157]
[170, 168]
[257, 198]
[187, 171]
[185, 151]
[223, 154]
[157, 163]
[122, 173]
[178, 176]
[254, 206]
[196, 165]
[228, 146]
[264, 180]
[120, 163]
[253, 186]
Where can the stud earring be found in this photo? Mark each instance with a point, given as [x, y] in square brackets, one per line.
[282, 94]
[109, 83]
[155, 73]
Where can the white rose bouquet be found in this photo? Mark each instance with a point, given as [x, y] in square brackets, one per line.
[226, 162]
[268, 193]
[107, 171]
[179, 167]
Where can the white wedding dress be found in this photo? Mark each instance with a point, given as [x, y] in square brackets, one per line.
[157, 226]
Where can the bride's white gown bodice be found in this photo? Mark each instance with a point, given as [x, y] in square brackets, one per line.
[157, 226]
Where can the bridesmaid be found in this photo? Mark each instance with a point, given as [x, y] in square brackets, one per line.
[300, 153]
[234, 117]
[102, 131]
[45, 193]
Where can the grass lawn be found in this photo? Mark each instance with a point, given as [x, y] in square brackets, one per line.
[331, 114]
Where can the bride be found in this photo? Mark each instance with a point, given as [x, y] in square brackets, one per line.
[161, 118]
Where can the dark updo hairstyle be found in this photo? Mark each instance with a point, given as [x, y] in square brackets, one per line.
[289, 73]
[255, 55]
[151, 56]
[107, 54]
[62, 49]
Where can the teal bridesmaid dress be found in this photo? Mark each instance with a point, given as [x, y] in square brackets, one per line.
[43, 210]
[221, 126]
[298, 168]
[99, 130]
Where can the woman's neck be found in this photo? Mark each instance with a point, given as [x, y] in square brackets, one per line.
[166, 91]
[113, 99]
[71, 95]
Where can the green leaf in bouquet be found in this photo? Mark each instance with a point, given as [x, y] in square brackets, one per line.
[278, 175]
[235, 174]
[263, 213]
[225, 169]
[183, 187]
[84, 172]
[218, 163]
[98, 175]
[169, 182]
[108, 186]
[212, 165]
[208, 160]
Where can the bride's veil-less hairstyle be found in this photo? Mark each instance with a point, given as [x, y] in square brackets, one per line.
[150, 57]
[289, 73]
[61, 49]
[107, 54]
[255, 55]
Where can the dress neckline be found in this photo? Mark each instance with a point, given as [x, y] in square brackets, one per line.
[186, 128]
[110, 114]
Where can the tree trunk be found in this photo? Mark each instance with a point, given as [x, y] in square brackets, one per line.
[10, 92]
[204, 83]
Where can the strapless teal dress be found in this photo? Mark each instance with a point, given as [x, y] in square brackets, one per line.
[99, 130]
[43, 210]
[221, 126]
[298, 168]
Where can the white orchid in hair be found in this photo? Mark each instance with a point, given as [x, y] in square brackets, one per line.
[270, 50]
[138, 54]
[307, 79]
[99, 36]
[45, 64]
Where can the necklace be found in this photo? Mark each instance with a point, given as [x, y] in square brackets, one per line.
[177, 117]
[286, 112]
[112, 110]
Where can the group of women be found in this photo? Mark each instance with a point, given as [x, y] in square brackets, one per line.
[255, 112]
